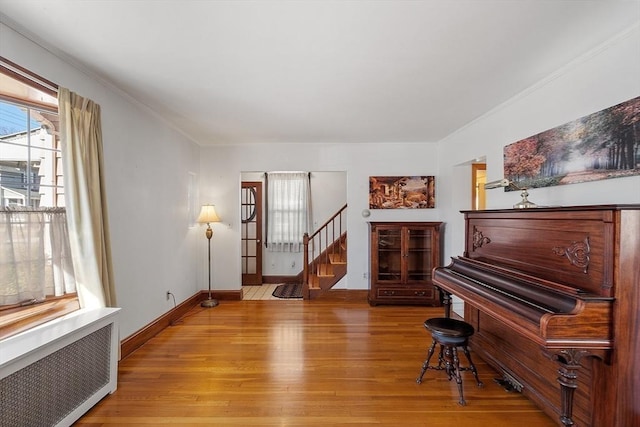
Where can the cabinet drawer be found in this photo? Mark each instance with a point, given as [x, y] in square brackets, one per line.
[426, 293]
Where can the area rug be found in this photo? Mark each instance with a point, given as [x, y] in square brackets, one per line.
[288, 290]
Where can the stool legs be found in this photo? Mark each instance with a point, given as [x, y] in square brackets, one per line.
[452, 368]
[425, 365]
[449, 361]
[472, 367]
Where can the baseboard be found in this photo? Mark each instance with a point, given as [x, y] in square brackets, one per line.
[137, 339]
[280, 279]
[235, 295]
[352, 295]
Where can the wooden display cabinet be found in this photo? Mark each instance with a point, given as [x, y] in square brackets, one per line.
[402, 257]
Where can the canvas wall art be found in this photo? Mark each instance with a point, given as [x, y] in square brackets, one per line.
[602, 145]
[402, 192]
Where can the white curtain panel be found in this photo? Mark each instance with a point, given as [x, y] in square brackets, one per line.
[288, 210]
[35, 256]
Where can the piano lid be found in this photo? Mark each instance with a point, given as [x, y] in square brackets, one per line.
[546, 315]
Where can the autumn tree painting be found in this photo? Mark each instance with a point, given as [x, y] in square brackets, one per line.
[601, 145]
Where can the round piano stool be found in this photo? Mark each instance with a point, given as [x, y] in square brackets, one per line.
[450, 334]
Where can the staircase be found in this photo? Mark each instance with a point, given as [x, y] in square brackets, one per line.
[325, 256]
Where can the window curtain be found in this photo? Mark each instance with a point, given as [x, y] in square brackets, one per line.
[288, 210]
[81, 143]
[35, 257]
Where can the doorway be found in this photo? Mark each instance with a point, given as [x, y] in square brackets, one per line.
[260, 266]
[478, 179]
[251, 232]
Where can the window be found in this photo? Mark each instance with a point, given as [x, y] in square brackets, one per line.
[287, 211]
[36, 272]
[30, 169]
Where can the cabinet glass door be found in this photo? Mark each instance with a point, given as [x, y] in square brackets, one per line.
[389, 255]
[419, 254]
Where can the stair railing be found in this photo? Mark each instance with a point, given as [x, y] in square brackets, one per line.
[322, 244]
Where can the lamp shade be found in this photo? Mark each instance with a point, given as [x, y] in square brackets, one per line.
[208, 214]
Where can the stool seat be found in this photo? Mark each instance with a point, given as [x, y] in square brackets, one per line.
[450, 334]
[449, 327]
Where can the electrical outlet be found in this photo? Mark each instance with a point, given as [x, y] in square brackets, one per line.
[168, 293]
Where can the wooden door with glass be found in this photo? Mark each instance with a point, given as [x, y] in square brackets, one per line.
[251, 232]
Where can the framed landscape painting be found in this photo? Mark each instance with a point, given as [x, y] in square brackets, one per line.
[402, 192]
[602, 145]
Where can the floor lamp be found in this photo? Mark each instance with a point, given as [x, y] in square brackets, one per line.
[208, 215]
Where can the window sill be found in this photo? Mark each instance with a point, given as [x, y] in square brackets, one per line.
[20, 319]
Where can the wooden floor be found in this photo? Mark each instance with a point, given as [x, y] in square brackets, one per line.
[333, 362]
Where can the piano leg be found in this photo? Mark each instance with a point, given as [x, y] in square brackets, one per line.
[445, 298]
[569, 360]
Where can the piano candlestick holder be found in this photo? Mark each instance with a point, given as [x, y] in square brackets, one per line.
[525, 203]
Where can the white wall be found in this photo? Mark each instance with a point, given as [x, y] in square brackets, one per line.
[606, 76]
[146, 169]
[221, 168]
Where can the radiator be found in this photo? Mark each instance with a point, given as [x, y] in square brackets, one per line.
[52, 374]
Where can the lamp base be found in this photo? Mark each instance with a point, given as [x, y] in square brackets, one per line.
[209, 303]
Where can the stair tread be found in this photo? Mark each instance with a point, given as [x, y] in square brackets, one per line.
[338, 258]
[325, 270]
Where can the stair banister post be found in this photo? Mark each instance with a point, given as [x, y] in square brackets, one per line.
[305, 262]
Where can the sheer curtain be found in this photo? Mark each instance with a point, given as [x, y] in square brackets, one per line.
[81, 143]
[35, 255]
[288, 210]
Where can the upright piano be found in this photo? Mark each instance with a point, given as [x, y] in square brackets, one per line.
[554, 296]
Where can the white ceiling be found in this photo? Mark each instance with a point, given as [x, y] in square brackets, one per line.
[321, 71]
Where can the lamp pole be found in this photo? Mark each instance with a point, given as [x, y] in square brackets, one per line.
[210, 302]
[208, 215]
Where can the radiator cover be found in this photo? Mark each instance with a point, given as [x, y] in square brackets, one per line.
[58, 371]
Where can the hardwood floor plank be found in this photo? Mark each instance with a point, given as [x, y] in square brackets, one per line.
[328, 362]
